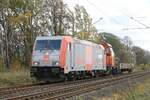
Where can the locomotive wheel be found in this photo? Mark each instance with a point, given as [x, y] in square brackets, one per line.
[96, 74]
[130, 70]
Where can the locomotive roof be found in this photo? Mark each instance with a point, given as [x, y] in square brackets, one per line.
[48, 37]
[60, 37]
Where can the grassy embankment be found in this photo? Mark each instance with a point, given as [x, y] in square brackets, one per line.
[12, 78]
[138, 92]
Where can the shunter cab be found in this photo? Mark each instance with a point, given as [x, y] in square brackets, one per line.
[110, 56]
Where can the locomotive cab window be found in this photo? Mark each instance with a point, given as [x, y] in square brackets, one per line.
[48, 45]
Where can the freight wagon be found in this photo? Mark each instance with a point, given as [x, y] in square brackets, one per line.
[126, 67]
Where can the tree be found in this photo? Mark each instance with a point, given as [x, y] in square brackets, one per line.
[142, 56]
[83, 26]
[128, 42]
[56, 16]
[18, 30]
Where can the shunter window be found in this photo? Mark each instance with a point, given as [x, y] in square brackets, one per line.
[70, 46]
[48, 45]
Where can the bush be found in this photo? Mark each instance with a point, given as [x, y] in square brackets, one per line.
[142, 67]
[16, 65]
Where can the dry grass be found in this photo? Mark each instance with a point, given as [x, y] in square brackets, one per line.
[13, 78]
[139, 92]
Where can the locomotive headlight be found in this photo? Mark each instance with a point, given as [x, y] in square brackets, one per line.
[46, 53]
[35, 63]
[57, 63]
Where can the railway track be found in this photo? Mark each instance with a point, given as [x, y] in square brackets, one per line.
[26, 89]
[65, 89]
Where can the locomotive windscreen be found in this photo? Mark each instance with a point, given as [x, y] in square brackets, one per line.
[48, 45]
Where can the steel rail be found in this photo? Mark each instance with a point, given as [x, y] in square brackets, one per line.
[26, 89]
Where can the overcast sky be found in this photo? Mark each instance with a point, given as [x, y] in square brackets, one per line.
[116, 18]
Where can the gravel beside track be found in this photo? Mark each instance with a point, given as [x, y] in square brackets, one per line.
[66, 89]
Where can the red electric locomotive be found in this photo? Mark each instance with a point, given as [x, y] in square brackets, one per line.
[63, 56]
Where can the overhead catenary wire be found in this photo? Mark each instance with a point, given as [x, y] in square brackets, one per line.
[96, 7]
[104, 13]
[134, 28]
[137, 21]
[98, 20]
[114, 20]
[132, 18]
